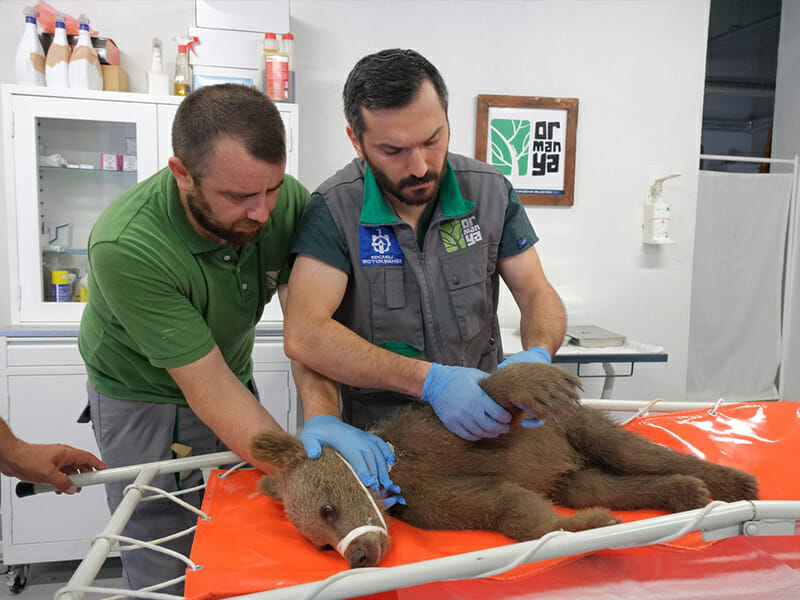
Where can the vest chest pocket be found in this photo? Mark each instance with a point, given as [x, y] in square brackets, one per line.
[396, 312]
[468, 276]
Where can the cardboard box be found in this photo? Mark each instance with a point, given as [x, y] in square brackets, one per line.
[213, 75]
[111, 162]
[115, 79]
[106, 49]
[243, 15]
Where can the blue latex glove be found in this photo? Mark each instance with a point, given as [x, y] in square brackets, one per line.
[461, 404]
[390, 501]
[368, 454]
[537, 354]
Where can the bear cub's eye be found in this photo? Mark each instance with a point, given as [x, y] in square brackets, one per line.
[327, 512]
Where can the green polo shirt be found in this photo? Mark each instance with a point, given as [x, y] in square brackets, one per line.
[161, 295]
[319, 236]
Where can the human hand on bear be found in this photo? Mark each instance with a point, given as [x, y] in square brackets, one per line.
[368, 454]
[462, 405]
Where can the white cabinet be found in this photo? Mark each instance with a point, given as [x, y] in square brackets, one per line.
[42, 393]
[64, 154]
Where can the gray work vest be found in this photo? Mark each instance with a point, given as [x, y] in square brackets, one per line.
[438, 304]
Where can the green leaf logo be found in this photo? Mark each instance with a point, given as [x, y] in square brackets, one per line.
[510, 145]
[452, 235]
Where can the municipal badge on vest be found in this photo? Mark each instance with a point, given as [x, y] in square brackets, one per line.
[378, 246]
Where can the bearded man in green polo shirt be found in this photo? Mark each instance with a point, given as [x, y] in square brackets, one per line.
[181, 266]
[394, 289]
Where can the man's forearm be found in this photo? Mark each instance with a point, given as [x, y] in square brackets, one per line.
[318, 394]
[223, 403]
[340, 354]
[543, 321]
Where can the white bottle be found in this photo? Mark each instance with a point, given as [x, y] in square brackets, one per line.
[157, 77]
[84, 66]
[83, 287]
[29, 61]
[287, 48]
[56, 72]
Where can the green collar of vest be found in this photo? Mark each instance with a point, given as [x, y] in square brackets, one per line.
[375, 210]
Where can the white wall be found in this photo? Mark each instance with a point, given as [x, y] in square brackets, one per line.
[636, 67]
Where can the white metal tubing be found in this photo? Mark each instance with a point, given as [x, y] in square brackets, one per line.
[752, 159]
[634, 405]
[132, 471]
[101, 547]
[359, 582]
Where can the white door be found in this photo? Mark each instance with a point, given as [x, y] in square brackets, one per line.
[72, 157]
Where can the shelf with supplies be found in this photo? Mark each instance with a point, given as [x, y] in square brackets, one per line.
[84, 171]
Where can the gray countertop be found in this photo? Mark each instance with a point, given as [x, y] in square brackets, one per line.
[56, 330]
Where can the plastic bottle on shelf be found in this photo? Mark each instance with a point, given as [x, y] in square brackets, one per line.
[29, 60]
[287, 48]
[157, 77]
[84, 66]
[276, 70]
[83, 287]
[61, 286]
[182, 84]
[57, 63]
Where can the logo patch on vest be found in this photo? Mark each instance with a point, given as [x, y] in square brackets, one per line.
[378, 247]
[458, 234]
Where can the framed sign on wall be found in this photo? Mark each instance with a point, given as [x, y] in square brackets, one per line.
[532, 141]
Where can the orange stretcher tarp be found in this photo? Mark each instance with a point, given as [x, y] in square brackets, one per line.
[250, 546]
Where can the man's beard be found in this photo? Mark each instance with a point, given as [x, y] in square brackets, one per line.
[201, 211]
[396, 190]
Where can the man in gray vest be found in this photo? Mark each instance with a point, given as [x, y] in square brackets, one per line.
[394, 288]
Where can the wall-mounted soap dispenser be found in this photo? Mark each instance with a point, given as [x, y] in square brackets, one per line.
[657, 213]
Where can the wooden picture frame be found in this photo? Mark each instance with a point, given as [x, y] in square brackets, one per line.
[533, 142]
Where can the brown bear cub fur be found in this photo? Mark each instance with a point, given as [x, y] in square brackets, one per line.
[578, 459]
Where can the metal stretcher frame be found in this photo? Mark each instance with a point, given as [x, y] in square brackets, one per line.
[716, 521]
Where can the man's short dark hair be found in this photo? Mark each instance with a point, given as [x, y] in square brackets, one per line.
[388, 79]
[227, 110]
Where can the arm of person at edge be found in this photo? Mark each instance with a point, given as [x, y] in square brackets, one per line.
[543, 319]
[44, 463]
[313, 337]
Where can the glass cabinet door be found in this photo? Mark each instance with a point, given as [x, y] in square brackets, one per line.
[72, 158]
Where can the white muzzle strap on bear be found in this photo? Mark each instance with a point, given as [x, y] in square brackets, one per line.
[345, 542]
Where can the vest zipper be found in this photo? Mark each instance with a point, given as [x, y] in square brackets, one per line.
[431, 317]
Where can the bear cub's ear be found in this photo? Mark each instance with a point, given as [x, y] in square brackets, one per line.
[269, 485]
[279, 448]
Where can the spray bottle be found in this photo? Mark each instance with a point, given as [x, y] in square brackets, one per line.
[157, 77]
[57, 65]
[657, 213]
[29, 61]
[182, 84]
[84, 66]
